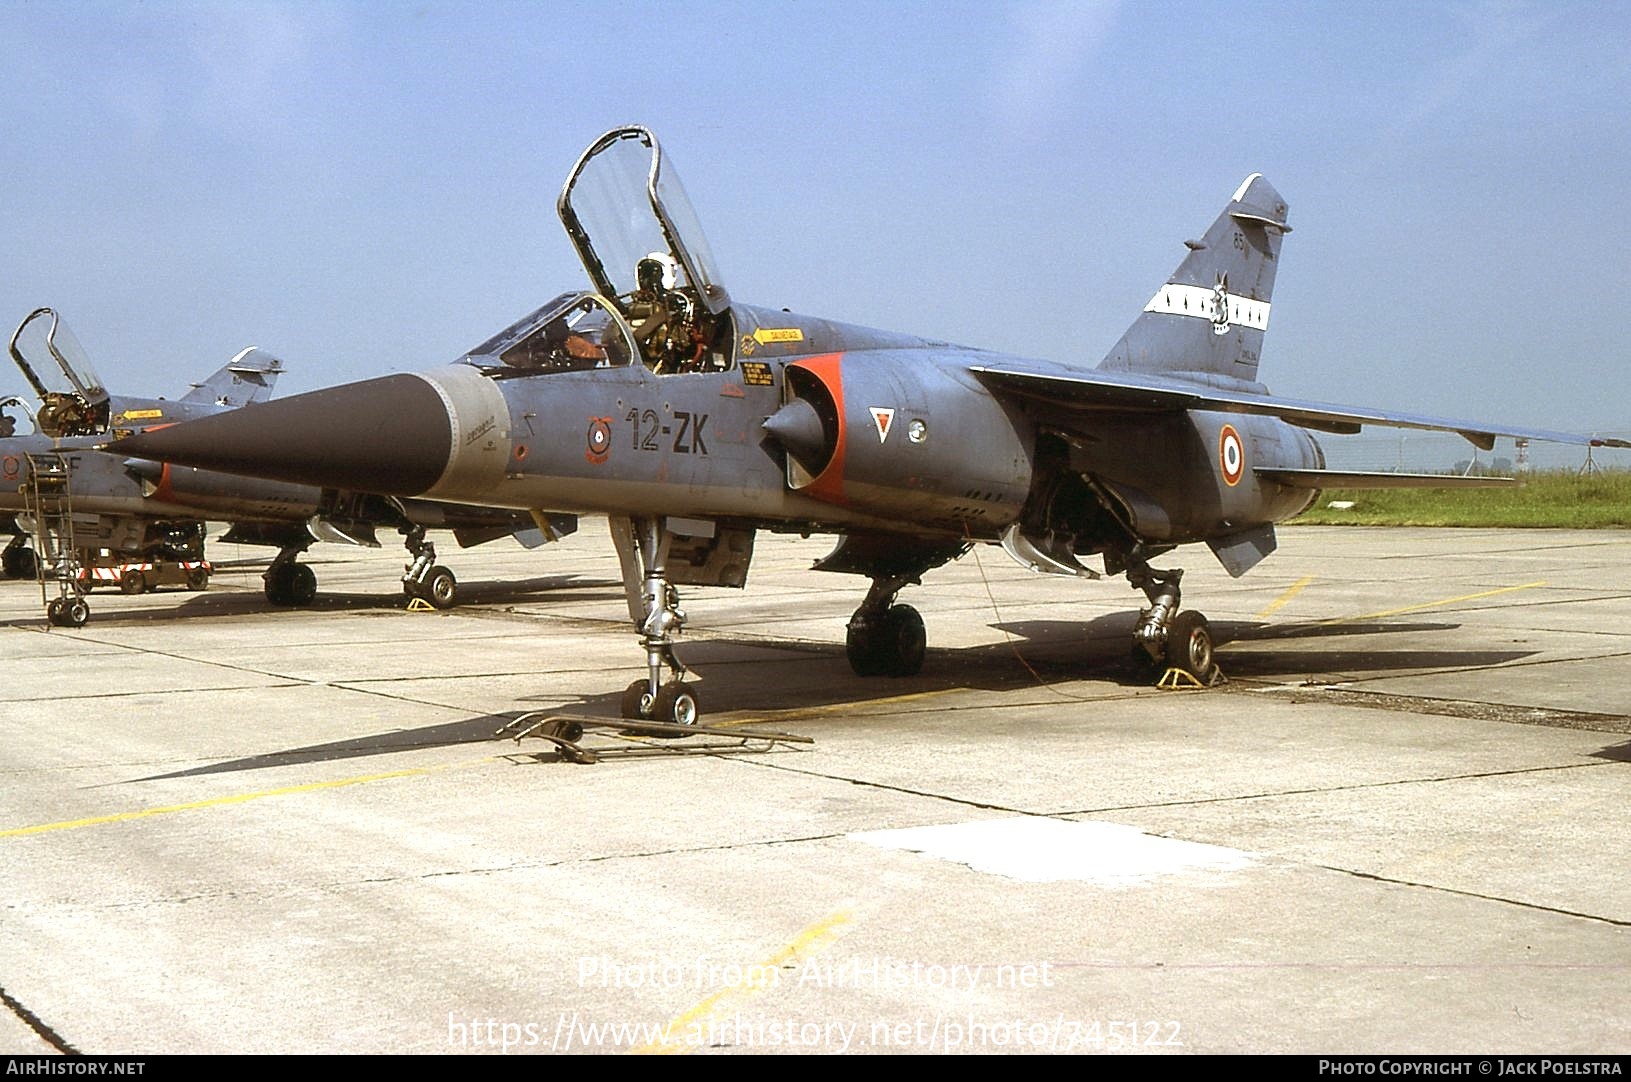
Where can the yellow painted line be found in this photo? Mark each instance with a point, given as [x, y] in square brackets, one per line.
[811, 941]
[1580, 809]
[1280, 602]
[1431, 604]
[221, 801]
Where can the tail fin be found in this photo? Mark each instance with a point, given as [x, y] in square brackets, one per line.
[1211, 315]
[248, 377]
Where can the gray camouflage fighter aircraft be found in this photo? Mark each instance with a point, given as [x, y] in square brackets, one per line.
[73, 499]
[693, 420]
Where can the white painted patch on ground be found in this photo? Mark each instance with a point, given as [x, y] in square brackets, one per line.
[1036, 849]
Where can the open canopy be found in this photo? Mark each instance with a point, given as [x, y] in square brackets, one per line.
[622, 203]
[73, 399]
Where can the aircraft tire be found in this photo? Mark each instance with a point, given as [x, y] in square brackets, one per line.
[1143, 665]
[861, 647]
[676, 704]
[20, 563]
[53, 612]
[1189, 645]
[441, 588]
[277, 585]
[904, 641]
[636, 703]
[302, 585]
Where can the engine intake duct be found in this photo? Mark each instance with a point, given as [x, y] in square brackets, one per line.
[807, 426]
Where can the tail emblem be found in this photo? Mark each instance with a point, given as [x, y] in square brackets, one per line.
[1220, 305]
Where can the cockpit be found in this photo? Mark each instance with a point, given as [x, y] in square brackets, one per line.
[658, 300]
[73, 399]
[573, 332]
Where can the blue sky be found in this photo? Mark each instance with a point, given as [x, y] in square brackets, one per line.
[364, 188]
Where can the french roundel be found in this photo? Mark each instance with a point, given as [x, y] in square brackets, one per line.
[599, 440]
[1231, 455]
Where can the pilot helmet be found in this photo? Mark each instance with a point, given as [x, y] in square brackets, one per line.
[656, 269]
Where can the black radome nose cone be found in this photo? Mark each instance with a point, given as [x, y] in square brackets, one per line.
[389, 435]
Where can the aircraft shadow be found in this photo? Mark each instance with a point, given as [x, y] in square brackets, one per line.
[736, 677]
[476, 730]
[218, 604]
[1615, 753]
[1252, 650]
[1108, 636]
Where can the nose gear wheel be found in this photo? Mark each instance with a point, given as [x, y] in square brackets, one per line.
[653, 699]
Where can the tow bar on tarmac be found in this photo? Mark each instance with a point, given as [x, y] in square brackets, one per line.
[566, 732]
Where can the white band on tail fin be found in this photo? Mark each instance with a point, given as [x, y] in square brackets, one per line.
[1202, 303]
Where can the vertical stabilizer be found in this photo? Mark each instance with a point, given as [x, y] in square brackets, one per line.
[248, 377]
[1210, 317]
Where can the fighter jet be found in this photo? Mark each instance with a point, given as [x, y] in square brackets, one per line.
[75, 500]
[693, 420]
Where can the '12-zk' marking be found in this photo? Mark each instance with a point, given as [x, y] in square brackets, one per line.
[645, 426]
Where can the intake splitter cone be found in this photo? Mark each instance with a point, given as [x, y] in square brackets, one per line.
[390, 435]
[797, 427]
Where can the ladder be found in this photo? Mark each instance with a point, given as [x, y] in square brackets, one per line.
[48, 501]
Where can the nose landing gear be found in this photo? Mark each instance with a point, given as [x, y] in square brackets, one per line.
[68, 611]
[661, 620]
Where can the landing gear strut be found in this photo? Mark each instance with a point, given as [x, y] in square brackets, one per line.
[288, 582]
[1182, 640]
[653, 699]
[882, 638]
[424, 578]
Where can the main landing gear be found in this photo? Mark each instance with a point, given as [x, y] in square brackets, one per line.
[424, 578]
[653, 699]
[1180, 640]
[289, 582]
[882, 638]
[17, 560]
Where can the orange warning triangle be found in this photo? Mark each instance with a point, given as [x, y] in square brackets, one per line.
[883, 418]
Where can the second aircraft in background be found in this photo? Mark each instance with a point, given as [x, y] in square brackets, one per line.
[99, 518]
